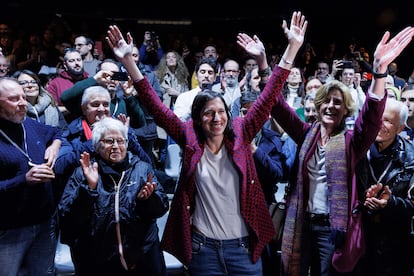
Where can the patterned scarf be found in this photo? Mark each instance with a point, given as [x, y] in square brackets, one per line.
[337, 179]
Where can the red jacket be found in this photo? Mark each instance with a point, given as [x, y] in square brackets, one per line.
[61, 83]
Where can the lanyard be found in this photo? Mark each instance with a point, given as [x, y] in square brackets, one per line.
[24, 152]
[115, 108]
[372, 170]
[118, 227]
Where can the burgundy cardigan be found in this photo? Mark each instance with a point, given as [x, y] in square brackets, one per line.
[177, 234]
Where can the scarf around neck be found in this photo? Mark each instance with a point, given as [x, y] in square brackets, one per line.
[86, 129]
[44, 106]
[337, 180]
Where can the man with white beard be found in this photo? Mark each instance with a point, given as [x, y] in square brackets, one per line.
[229, 84]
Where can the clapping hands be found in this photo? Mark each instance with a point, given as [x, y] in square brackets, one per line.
[376, 197]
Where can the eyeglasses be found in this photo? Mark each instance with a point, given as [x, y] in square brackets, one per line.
[111, 141]
[79, 45]
[411, 100]
[231, 71]
[30, 82]
[96, 104]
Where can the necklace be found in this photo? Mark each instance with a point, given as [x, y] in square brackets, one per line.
[372, 170]
[23, 151]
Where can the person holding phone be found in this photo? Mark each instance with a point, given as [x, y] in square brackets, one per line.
[150, 50]
[119, 76]
[109, 208]
[110, 77]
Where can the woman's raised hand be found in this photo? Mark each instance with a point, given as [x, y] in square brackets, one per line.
[389, 49]
[296, 33]
[117, 42]
[253, 46]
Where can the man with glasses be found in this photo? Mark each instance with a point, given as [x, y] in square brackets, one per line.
[86, 47]
[229, 85]
[322, 72]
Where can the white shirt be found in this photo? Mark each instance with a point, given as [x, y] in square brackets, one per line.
[182, 106]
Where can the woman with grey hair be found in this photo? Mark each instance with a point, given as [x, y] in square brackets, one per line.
[109, 208]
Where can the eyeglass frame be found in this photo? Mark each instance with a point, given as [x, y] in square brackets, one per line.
[230, 71]
[111, 141]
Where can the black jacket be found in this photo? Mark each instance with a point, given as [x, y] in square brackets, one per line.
[388, 231]
[87, 217]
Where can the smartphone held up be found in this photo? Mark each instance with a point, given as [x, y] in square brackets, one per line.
[120, 76]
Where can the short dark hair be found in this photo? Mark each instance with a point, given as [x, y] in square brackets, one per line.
[109, 60]
[199, 103]
[69, 50]
[206, 60]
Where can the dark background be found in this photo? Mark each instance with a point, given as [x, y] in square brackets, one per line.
[340, 21]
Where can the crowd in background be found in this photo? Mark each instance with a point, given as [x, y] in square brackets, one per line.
[55, 65]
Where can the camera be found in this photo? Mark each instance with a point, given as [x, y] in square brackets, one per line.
[153, 40]
[347, 64]
[120, 76]
[356, 55]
